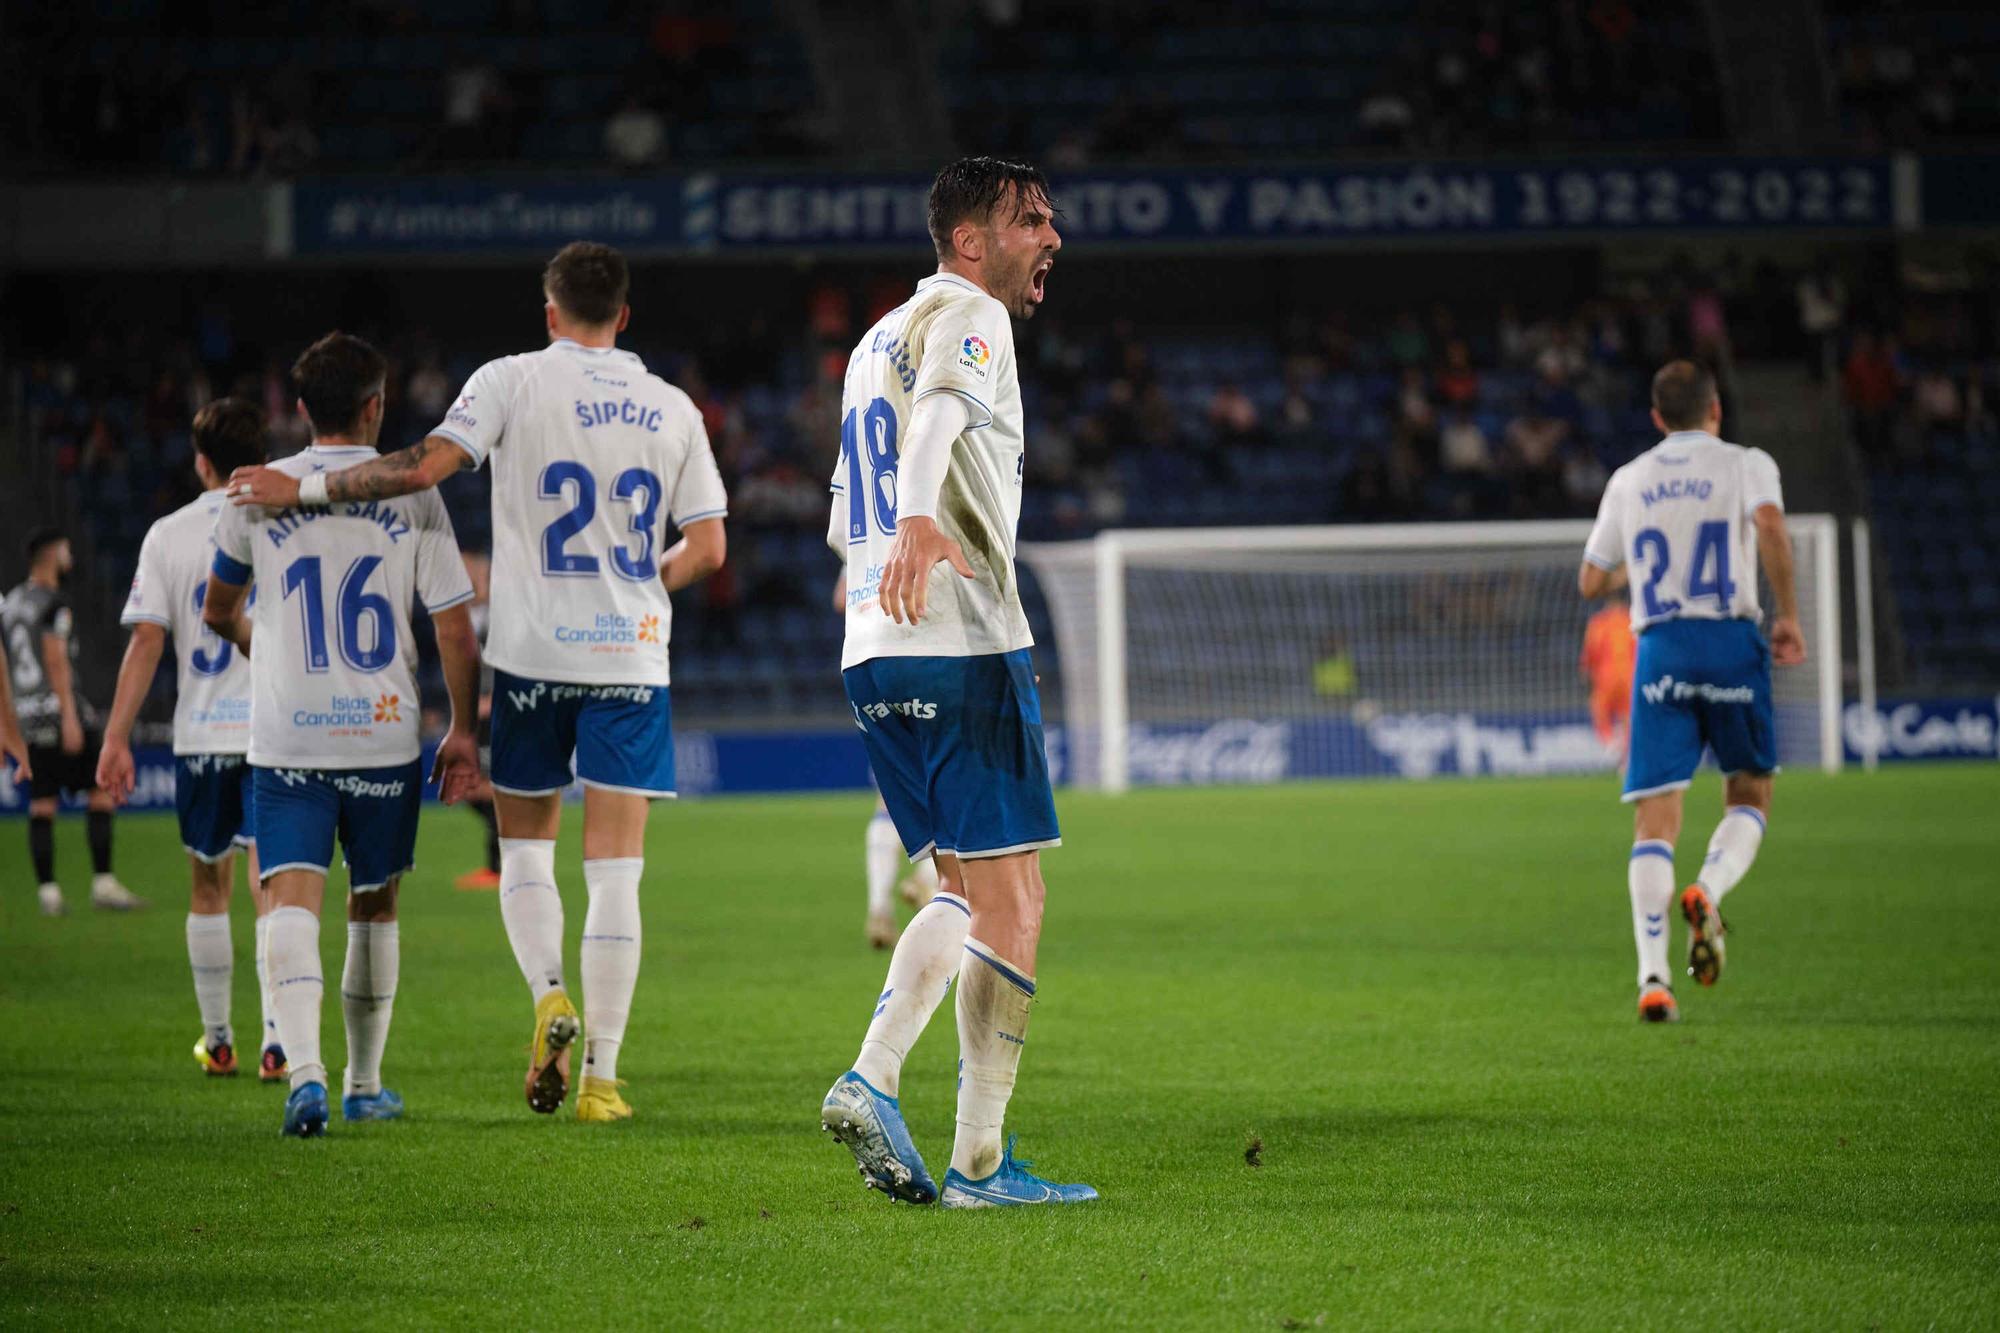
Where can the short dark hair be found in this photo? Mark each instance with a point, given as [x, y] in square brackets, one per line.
[588, 282]
[1682, 392]
[336, 375]
[971, 188]
[41, 539]
[229, 433]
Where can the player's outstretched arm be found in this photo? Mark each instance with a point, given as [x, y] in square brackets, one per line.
[700, 552]
[419, 467]
[222, 610]
[457, 768]
[1774, 549]
[115, 770]
[12, 745]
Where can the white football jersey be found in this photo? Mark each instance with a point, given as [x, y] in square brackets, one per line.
[589, 450]
[212, 685]
[333, 664]
[1678, 517]
[949, 337]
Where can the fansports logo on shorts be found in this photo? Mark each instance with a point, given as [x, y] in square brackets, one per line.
[1666, 687]
[973, 354]
[389, 708]
[649, 629]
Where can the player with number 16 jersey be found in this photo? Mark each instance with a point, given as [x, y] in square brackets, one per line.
[592, 456]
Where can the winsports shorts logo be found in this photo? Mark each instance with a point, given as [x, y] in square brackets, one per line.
[526, 701]
[917, 708]
[1680, 691]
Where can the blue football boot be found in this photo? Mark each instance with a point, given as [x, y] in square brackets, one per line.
[1010, 1185]
[383, 1105]
[871, 1127]
[306, 1111]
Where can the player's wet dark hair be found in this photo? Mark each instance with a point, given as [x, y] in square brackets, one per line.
[970, 189]
[229, 433]
[336, 376]
[41, 539]
[1682, 392]
[588, 282]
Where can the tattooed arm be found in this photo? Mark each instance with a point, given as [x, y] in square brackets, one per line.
[422, 465]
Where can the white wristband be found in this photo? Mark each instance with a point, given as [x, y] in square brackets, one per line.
[312, 489]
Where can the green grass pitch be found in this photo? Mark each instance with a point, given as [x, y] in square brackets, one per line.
[1416, 997]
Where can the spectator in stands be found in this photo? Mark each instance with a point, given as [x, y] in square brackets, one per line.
[1415, 415]
[475, 110]
[428, 391]
[1233, 416]
[1465, 456]
[1936, 400]
[1407, 343]
[1870, 384]
[1457, 381]
[636, 135]
[1822, 299]
[1533, 460]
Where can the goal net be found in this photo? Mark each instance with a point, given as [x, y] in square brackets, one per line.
[1193, 656]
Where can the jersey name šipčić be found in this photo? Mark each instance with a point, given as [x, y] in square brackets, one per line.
[589, 450]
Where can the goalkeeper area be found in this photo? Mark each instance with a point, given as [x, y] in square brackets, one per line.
[1197, 655]
[1343, 1054]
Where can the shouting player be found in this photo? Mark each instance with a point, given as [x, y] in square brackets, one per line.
[590, 450]
[333, 730]
[1685, 524]
[927, 497]
[59, 724]
[211, 729]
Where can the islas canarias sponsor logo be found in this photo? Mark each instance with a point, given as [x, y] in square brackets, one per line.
[608, 631]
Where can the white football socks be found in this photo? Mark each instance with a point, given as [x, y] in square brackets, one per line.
[926, 875]
[368, 999]
[213, 963]
[270, 1010]
[1650, 876]
[531, 909]
[1731, 850]
[885, 858]
[292, 954]
[993, 1000]
[920, 972]
[610, 958]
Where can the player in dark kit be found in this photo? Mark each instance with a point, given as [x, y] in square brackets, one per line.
[60, 727]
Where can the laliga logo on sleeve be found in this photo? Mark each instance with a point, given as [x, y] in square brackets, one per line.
[389, 708]
[973, 355]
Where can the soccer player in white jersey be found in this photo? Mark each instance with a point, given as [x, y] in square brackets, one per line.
[212, 794]
[1686, 524]
[591, 454]
[334, 714]
[927, 497]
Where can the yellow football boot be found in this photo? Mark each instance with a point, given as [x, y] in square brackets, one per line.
[556, 1029]
[599, 1102]
[217, 1061]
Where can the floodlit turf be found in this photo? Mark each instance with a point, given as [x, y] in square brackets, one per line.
[1416, 998]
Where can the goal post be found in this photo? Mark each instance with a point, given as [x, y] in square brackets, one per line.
[1199, 655]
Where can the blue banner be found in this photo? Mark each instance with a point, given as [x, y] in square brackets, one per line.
[748, 212]
[1923, 729]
